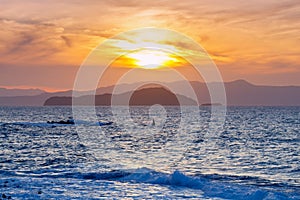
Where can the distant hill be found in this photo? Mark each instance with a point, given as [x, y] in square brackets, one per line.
[239, 93]
[244, 93]
[19, 92]
[28, 100]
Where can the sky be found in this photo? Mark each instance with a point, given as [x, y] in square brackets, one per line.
[43, 43]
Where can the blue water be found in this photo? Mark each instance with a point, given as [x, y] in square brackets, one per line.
[256, 155]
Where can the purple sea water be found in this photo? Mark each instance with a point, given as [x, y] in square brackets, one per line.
[256, 155]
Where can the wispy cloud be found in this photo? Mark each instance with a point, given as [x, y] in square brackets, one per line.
[257, 34]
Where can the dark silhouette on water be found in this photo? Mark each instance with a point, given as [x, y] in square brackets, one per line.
[69, 121]
[72, 122]
[105, 123]
[153, 122]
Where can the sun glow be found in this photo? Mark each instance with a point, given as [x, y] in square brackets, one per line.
[152, 59]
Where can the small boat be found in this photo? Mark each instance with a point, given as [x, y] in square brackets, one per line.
[69, 121]
[72, 122]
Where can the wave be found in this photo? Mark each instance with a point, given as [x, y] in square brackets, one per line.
[212, 186]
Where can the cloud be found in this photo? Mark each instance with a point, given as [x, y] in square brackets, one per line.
[24, 40]
[67, 40]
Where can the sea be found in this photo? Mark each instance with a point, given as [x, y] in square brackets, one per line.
[152, 154]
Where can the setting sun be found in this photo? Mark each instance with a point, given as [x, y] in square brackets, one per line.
[152, 59]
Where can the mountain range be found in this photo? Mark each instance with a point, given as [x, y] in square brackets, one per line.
[239, 93]
[4, 92]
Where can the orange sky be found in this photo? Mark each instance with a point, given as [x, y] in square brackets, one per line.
[42, 43]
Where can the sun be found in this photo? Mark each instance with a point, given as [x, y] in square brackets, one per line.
[151, 59]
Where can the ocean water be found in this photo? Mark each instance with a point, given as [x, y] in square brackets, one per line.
[158, 155]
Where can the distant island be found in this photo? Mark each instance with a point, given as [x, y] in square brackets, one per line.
[142, 97]
[239, 93]
[211, 104]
